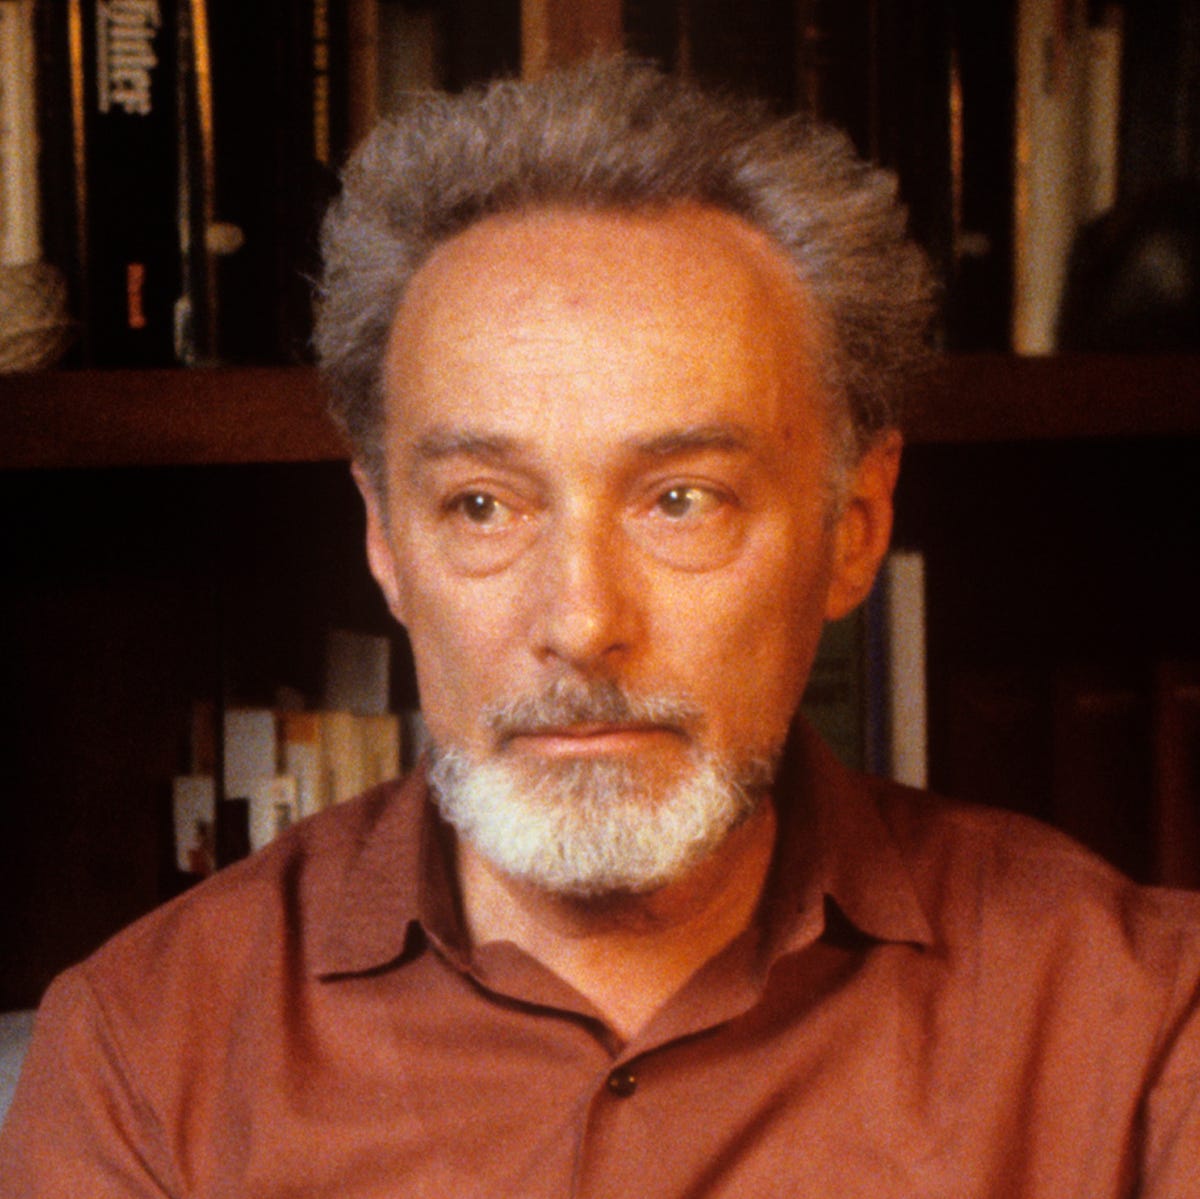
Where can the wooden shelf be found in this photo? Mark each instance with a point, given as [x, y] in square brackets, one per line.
[198, 416]
[95, 418]
[1001, 397]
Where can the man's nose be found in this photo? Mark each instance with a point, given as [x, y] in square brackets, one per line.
[587, 612]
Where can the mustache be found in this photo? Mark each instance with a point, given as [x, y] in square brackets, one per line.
[587, 701]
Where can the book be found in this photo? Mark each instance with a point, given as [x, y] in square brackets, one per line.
[193, 810]
[249, 769]
[1160, 90]
[835, 699]
[382, 742]
[35, 329]
[272, 807]
[344, 755]
[60, 99]
[265, 118]
[1066, 149]
[302, 740]
[278, 765]
[20, 203]
[978, 275]
[123, 76]
[336, 755]
[904, 622]
[406, 57]
[251, 749]
[1102, 111]
[275, 768]
[866, 693]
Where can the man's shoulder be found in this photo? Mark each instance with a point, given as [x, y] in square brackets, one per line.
[143, 1031]
[988, 873]
[239, 922]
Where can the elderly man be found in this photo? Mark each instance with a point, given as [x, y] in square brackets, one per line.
[618, 362]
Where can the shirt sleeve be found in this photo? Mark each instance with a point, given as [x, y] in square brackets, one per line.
[77, 1126]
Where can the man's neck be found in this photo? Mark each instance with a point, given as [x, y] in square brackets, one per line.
[626, 954]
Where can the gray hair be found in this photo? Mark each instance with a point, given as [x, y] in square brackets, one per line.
[621, 135]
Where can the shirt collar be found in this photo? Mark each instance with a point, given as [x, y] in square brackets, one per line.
[834, 845]
[398, 878]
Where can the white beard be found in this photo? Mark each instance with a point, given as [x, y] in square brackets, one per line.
[594, 826]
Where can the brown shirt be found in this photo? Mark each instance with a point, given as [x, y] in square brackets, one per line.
[937, 1001]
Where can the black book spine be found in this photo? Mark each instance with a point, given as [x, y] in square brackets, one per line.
[279, 120]
[128, 192]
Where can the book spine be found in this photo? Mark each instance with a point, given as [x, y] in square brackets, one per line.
[866, 693]
[129, 149]
[362, 69]
[272, 807]
[193, 809]
[835, 697]
[1103, 112]
[20, 224]
[1067, 118]
[275, 120]
[978, 301]
[904, 606]
[60, 171]
[303, 758]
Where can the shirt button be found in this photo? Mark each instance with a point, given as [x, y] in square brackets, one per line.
[622, 1082]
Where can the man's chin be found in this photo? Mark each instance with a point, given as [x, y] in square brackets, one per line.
[590, 826]
[596, 777]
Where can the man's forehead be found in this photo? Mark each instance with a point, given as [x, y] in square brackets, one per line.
[650, 333]
[630, 260]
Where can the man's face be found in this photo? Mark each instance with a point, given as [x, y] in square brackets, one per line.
[607, 463]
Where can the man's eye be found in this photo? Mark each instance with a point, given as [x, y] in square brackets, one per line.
[680, 503]
[690, 526]
[480, 532]
[480, 508]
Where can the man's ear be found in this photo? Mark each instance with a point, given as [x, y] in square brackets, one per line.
[864, 527]
[380, 556]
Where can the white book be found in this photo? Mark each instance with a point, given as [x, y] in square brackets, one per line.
[304, 759]
[251, 749]
[1065, 171]
[1049, 166]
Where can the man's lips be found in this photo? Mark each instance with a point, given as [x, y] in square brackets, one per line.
[585, 739]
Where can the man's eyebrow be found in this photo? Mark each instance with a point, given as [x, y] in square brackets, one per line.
[721, 436]
[449, 443]
[440, 444]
